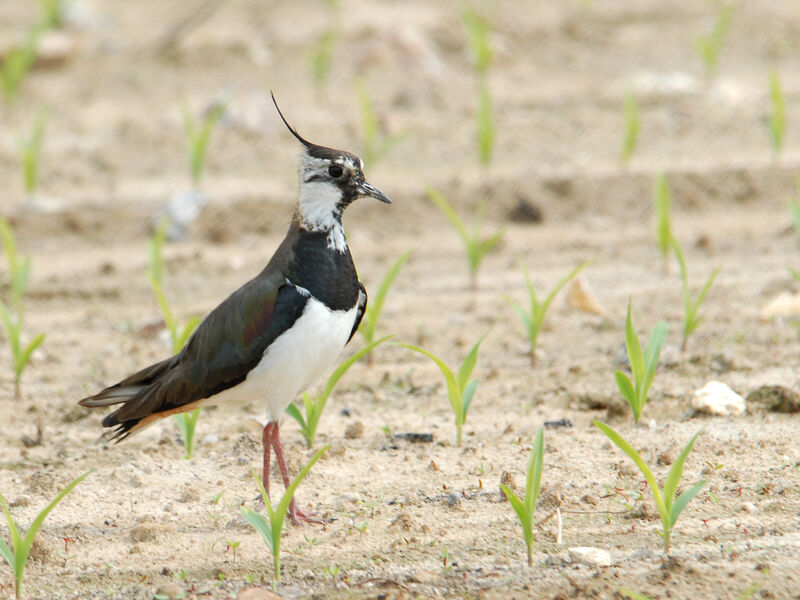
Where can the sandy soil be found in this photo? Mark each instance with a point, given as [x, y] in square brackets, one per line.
[413, 520]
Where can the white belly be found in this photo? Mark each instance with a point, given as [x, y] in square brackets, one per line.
[294, 360]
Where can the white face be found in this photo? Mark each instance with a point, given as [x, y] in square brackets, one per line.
[321, 194]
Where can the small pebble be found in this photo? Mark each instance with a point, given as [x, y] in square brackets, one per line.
[210, 439]
[592, 557]
[354, 430]
[171, 590]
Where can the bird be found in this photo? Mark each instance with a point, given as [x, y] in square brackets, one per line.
[275, 335]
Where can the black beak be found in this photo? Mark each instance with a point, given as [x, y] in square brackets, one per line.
[367, 189]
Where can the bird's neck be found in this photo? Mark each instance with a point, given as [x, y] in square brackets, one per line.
[318, 211]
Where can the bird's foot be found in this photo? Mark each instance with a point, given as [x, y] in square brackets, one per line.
[299, 516]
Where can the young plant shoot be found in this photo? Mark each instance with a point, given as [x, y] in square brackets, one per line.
[479, 29]
[17, 555]
[709, 45]
[19, 268]
[525, 507]
[29, 149]
[198, 133]
[777, 117]
[534, 319]
[16, 63]
[643, 366]
[633, 124]
[475, 245]
[12, 314]
[369, 324]
[669, 507]
[460, 390]
[178, 335]
[691, 321]
[377, 143]
[313, 407]
[271, 528]
[663, 203]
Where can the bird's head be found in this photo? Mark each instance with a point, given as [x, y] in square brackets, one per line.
[330, 180]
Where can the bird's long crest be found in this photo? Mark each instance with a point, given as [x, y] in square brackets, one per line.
[293, 131]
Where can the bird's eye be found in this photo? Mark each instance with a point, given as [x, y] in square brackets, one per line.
[335, 171]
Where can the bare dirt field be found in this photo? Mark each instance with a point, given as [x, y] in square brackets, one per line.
[413, 520]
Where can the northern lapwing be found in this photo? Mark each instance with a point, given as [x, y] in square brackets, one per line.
[276, 334]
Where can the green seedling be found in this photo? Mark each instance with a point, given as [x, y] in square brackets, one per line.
[663, 202]
[777, 117]
[525, 507]
[178, 335]
[16, 63]
[479, 29]
[19, 268]
[198, 132]
[369, 324]
[53, 12]
[12, 315]
[29, 148]
[691, 321]
[534, 319]
[17, 555]
[669, 507]
[271, 528]
[633, 123]
[376, 142]
[321, 55]
[485, 124]
[709, 45]
[475, 245]
[20, 353]
[313, 407]
[643, 366]
[460, 390]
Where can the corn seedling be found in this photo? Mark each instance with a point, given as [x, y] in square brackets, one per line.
[12, 315]
[16, 63]
[178, 335]
[525, 507]
[321, 55]
[271, 528]
[313, 407]
[53, 12]
[643, 366]
[709, 45]
[475, 245]
[633, 123]
[663, 202]
[376, 142]
[534, 319]
[669, 507]
[633, 595]
[691, 321]
[20, 353]
[777, 117]
[19, 268]
[28, 149]
[17, 554]
[460, 390]
[479, 29]
[198, 133]
[369, 324]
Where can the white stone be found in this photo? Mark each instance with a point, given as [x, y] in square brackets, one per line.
[592, 557]
[716, 398]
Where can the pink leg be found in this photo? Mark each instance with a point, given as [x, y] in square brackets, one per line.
[266, 438]
[295, 513]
